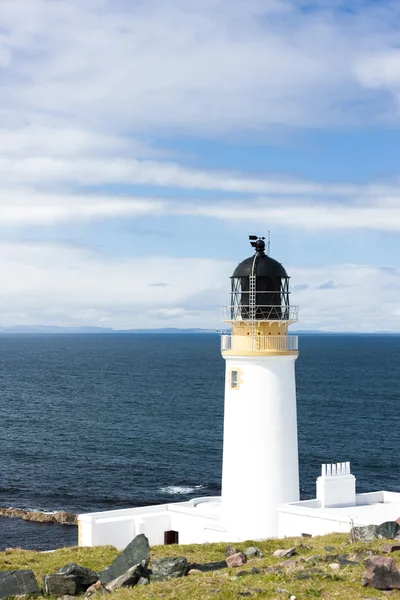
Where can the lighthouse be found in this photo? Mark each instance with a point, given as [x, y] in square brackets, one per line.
[260, 455]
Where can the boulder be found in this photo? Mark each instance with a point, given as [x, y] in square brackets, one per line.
[368, 533]
[143, 581]
[211, 566]
[253, 551]
[388, 530]
[39, 517]
[285, 553]
[163, 569]
[59, 585]
[136, 553]
[96, 588]
[128, 579]
[381, 573]
[12, 512]
[389, 548]
[66, 518]
[236, 560]
[18, 583]
[231, 550]
[82, 576]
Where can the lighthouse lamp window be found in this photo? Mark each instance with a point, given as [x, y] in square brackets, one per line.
[234, 379]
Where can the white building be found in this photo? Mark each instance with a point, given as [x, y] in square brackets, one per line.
[260, 488]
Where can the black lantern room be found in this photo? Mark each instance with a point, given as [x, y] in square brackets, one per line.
[260, 287]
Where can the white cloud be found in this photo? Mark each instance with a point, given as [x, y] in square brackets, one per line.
[61, 285]
[204, 66]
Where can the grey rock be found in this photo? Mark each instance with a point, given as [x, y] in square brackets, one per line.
[389, 530]
[330, 548]
[128, 579]
[83, 576]
[282, 591]
[253, 571]
[231, 550]
[253, 551]
[18, 583]
[381, 573]
[136, 553]
[211, 566]
[169, 568]
[366, 533]
[59, 585]
[143, 581]
[285, 553]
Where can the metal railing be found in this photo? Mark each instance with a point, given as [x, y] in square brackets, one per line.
[260, 343]
[260, 313]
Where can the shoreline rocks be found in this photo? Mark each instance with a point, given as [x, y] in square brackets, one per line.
[62, 517]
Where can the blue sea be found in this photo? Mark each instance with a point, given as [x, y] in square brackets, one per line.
[98, 422]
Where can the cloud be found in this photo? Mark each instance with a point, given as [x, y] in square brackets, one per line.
[206, 67]
[50, 284]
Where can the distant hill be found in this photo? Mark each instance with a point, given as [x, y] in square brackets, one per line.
[66, 330]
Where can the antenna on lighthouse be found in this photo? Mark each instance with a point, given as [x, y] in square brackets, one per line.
[269, 244]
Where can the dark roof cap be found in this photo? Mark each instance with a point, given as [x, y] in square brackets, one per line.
[265, 267]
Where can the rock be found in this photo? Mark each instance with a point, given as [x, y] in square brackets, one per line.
[365, 533]
[335, 566]
[368, 533]
[128, 579]
[83, 576]
[282, 591]
[66, 518]
[330, 548]
[244, 593]
[143, 581]
[388, 530]
[96, 588]
[18, 583]
[12, 512]
[231, 550]
[211, 566]
[136, 553]
[381, 573]
[285, 553]
[389, 548]
[253, 551]
[39, 517]
[59, 585]
[169, 568]
[193, 571]
[253, 571]
[236, 560]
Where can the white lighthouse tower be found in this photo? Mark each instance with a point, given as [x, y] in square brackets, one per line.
[260, 456]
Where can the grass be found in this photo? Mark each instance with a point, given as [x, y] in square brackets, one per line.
[305, 579]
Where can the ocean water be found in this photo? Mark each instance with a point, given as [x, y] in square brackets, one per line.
[97, 422]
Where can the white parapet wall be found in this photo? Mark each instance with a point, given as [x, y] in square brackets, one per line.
[195, 521]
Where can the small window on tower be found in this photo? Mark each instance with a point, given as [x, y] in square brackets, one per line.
[234, 379]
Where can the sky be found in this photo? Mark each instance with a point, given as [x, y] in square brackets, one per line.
[142, 141]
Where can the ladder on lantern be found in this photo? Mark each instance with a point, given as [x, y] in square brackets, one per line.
[252, 310]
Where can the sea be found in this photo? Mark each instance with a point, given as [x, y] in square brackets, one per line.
[108, 421]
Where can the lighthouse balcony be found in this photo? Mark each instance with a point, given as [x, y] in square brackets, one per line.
[259, 343]
[276, 313]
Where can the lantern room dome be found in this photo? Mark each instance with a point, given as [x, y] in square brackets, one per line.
[265, 266]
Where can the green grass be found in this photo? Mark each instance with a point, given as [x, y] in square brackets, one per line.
[320, 580]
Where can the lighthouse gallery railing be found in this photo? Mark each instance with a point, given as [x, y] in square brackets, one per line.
[261, 343]
[260, 313]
